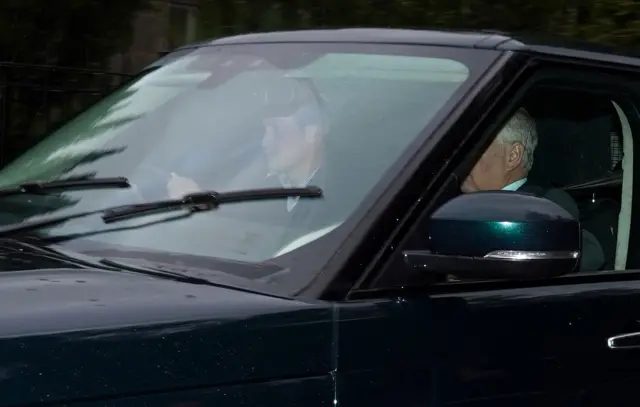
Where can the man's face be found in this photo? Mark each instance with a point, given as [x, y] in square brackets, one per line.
[286, 144]
[490, 172]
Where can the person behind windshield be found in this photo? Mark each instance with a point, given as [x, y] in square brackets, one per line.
[505, 166]
[294, 148]
[293, 145]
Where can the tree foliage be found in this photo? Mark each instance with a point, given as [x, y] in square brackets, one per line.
[78, 33]
[609, 22]
[63, 33]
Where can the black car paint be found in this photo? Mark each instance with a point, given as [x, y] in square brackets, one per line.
[526, 346]
[76, 335]
[97, 337]
[71, 334]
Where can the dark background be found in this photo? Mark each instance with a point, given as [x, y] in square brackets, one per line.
[56, 57]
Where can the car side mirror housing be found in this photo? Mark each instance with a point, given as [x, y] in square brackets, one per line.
[499, 235]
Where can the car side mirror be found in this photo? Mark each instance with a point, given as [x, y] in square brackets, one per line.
[499, 235]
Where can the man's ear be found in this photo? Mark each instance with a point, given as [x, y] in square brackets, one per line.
[515, 154]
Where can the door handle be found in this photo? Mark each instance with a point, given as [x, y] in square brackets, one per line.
[624, 341]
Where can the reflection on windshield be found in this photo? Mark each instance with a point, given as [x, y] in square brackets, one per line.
[236, 117]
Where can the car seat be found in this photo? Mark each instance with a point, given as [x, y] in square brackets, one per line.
[574, 149]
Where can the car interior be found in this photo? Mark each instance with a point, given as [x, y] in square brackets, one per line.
[582, 140]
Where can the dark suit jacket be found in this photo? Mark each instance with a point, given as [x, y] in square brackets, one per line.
[593, 257]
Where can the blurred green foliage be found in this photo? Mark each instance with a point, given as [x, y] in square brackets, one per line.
[60, 33]
[77, 33]
[85, 33]
[608, 22]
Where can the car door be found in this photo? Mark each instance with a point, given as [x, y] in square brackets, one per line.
[567, 341]
[537, 345]
[496, 346]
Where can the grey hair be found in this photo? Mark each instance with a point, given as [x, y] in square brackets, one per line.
[521, 128]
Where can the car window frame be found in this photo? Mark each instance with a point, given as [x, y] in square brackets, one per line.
[337, 273]
[463, 159]
[362, 232]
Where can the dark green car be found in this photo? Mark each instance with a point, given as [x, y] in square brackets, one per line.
[276, 220]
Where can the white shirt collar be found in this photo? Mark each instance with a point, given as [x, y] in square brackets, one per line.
[286, 182]
[514, 186]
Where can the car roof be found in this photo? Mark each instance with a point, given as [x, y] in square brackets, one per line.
[364, 35]
[486, 39]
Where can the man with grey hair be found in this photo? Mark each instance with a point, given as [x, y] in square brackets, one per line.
[508, 160]
[505, 166]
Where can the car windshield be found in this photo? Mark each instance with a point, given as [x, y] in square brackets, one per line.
[231, 117]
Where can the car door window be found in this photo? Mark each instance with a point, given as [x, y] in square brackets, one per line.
[583, 160]
[581, 157]
[580, 154]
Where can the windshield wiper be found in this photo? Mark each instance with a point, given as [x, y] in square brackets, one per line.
[39, 187]
[206, 200]
[195, 202]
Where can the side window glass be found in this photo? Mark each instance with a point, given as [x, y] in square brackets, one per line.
[574, 148]
[582, 159]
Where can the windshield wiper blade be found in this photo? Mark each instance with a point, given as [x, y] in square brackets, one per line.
[206, 200]
[195, 202]
[39, 187]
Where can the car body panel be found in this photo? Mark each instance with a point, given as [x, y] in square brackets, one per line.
[306, 391]
[489, 346]
[68, 334]
[535, 345]
[383, 356]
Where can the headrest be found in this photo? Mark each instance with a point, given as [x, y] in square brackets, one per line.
[574, 136]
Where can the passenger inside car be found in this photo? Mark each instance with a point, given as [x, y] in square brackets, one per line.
[506, 164]
[294, 128]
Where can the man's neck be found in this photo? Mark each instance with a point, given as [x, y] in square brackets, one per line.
[515, 176]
